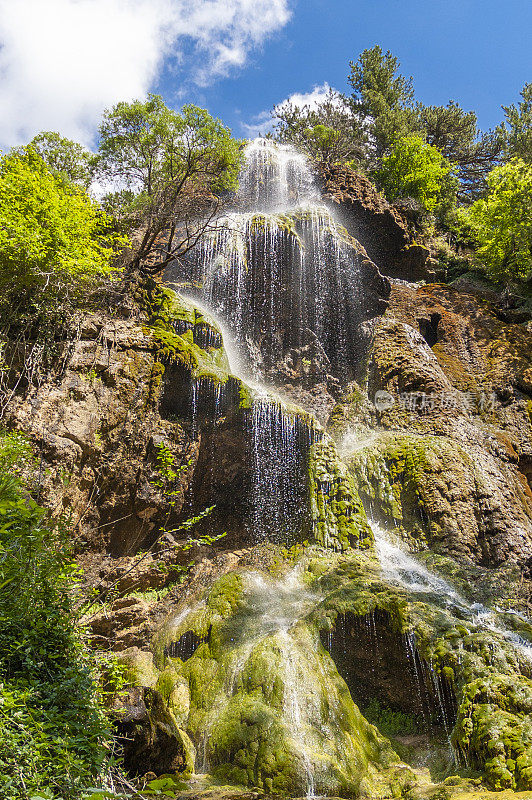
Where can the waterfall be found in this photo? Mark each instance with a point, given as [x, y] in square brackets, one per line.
[279, 269]
[280, 445]
[276, 176]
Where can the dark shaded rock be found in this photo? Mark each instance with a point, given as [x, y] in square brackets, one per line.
[382, 229]
[149, 734]
[379, 663]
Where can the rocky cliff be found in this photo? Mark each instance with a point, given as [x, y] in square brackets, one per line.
[425, 393]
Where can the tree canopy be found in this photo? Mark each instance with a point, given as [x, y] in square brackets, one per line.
[328, 132]
[502, 222]
[382, 97]
[55, 242]
[65, 158]
[518, 128]
[170, 168]
[418, 170]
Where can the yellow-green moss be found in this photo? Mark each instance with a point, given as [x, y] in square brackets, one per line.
[338, 517]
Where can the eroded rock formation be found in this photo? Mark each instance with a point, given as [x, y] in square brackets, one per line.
[262, 642]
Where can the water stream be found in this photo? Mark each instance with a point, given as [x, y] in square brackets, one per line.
[279, 273]
[278, 269]
[270, 614]
[400, 568]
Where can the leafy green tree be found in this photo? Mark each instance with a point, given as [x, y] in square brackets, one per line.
[53, 733]
[383, 99]
[169, 168]
[454, 132]
[502, 222]
[418, 170]
[518, 128]
[329, 132]
[55, 242]
[64, 157]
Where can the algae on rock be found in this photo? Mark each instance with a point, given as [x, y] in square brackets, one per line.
[338, 517]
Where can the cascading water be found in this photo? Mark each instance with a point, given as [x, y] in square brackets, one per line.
[280, 274]
[402, 569]
[272, 635]
[279, 269]
[280, 447]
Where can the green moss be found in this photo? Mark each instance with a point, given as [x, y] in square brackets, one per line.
[243, 682]
[139, 667]
[391, 722]
[226, 595]
[338, 517]
[493, 732]
[399, 476]
[176, 325]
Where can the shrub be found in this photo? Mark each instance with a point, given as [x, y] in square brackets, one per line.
[53, 733]
[418, 170]
[55, 242]
[502, 222]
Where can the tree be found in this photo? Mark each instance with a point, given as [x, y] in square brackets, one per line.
[418, 170]
[518, 129]
[65, 158]
[502, 222]
[170, 168]
[454, 132]
[383, 99]
[329, 132]
[55, 242]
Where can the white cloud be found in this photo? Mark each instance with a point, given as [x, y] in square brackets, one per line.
[62, 62]
[263, 122]
[310, 99]
[260, 125]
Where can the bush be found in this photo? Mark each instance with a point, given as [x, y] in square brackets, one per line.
[502, 222]
[53, 733]
[55, 242]
[418, 170]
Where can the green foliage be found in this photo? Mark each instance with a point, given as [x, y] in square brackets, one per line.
[55, 242]
[329, 132]
[168, 474]
[167, 166]
[390, 722]
[518, 129]
[146, 144]
[362, 129]
[52, 731]
[502, 222]
[418, 170]
[65, 158]
[384, 97]
[454, 133]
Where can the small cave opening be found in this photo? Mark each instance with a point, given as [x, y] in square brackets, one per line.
[428, 328]
[525, 467]
[384, 672]
[185, 647]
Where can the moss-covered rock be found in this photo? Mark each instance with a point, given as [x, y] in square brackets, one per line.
[267, 706]
[479, 677]
[338, 517]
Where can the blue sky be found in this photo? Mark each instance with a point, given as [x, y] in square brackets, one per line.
[478, 52]
[62, 62]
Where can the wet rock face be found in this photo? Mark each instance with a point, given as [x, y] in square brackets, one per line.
[380, 664]
[447, 458]
[429, 396]
[286, 277]
[383, 230]
[476, 676]
[149, 735]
